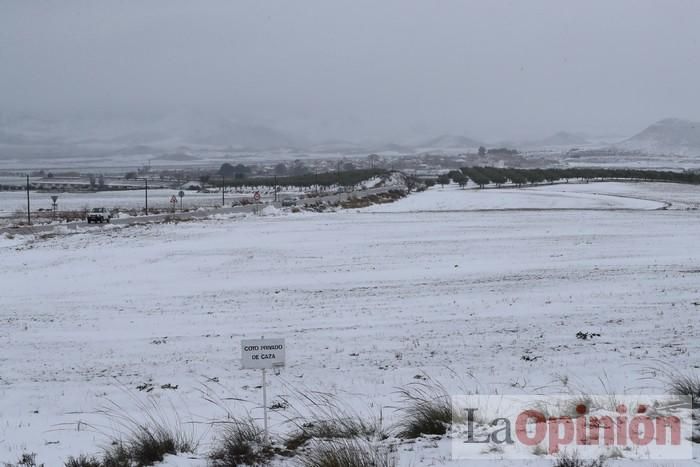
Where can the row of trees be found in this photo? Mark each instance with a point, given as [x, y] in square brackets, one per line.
[234, 171]
[296, 167]
[341, 178]
[497, 151]
[483, 176]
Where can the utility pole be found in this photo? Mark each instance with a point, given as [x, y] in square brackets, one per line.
[223, 180]
[29, 213]
[275, 188]
[146, 180]
[337, 173]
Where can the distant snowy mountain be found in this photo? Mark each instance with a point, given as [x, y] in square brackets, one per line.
[392, 148]
[339, 146]
[221, 132]
[166, 132]
[669, 136]
[561, 138]
[450, 142]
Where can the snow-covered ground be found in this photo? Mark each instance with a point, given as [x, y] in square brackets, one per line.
[548, 197]
[367, 300]
[679, 196]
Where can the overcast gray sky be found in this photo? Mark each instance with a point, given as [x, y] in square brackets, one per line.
[360, 69]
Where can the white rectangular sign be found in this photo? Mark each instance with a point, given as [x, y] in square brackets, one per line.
[262, 353]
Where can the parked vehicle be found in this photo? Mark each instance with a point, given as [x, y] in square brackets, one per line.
[100, 215]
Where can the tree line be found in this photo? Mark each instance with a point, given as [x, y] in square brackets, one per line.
[483, 176]
[326, 179]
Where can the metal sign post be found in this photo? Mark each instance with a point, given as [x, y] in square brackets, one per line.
[54, 199]
[262, 354]
[181, 194]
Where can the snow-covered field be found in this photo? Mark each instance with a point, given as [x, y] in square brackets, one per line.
[12, 201]
[677, 195]
[441, 283]
[547, 197]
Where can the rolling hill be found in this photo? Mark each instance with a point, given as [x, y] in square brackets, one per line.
[671, 136]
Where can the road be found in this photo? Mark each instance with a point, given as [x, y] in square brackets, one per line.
[151, 218]
[200, 214]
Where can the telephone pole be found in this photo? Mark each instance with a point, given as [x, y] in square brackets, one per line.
[29, 213]
[146, 180]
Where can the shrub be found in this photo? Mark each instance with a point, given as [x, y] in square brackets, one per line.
[355, 203]
[337, 428]
[427, 410]
[148, 446]
[26, 460]
[83, 461]
[573, 460]
[145, 442]
[679, 382]
[116, 456]
[325, 418]
[241, 443]
[570, 407]
[145, 445]
[686, 385]
[346, 453]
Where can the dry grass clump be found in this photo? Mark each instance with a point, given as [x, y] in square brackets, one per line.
[427, 410]
[346, 453]
[324, 418]
[241, 442]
